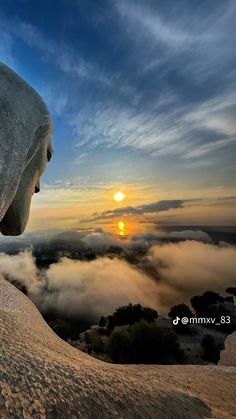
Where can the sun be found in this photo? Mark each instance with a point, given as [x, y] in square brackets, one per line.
[119, 196]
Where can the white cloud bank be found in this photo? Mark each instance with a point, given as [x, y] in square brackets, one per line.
[93, 288]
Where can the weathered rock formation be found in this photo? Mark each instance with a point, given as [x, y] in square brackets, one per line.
[228, 355]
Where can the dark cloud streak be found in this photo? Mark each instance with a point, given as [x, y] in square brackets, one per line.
[154, 207]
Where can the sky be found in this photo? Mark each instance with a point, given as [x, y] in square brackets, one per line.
[142, 97]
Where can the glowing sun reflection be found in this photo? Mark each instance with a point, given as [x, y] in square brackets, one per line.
[121, 228]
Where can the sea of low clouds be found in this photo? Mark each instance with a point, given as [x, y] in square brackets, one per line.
[163, 274]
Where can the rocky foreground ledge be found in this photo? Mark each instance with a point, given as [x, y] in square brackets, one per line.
[228, 355]
[41, 376]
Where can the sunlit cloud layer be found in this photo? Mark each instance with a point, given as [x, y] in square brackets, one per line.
[167, 275]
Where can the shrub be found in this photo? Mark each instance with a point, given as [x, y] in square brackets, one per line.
[118, 346]
[145, 343]
[94, 341]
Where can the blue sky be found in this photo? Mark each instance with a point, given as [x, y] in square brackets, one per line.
[142, 95]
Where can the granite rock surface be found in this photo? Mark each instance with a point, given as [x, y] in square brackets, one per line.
[41, 376]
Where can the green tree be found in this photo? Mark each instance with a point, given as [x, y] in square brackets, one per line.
[152, 343]
[205, 304]
[146, 343]
[118, 346]
[149, 314]
[133, 313]
[94, 341]
[128, 314]
[111, 323]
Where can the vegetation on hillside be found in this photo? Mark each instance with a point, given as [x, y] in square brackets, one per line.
[133, 334]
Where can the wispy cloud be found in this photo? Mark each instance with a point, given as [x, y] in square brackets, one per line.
[6, 54]
[178, 31]
[81, 158]
[120, 126]
[63, 56]
[188, 131]
[171, 123]
[153, 26]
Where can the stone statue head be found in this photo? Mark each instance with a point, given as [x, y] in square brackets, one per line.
[25, 149]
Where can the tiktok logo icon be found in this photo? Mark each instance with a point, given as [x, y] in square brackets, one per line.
[176, 320]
